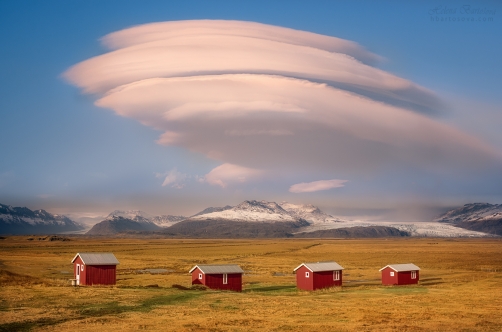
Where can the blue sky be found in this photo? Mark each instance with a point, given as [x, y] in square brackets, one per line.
[62, 153]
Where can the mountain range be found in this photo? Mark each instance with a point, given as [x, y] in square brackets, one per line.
[21, 220]
[246, 212]
[267, 212]
[248, 219]
[481, 217]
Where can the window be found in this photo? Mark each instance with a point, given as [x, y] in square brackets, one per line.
[78, 269]
[413, 274]
[307, 274]
[392, 274]
[82, 267]
[200, 276]
[336, 275]
[225, 279]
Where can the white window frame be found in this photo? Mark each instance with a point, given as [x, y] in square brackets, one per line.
[336, 275]
[200, 276]
[307, 274]
[81, 267]
[391, 273]
[225, 278]
[413, 274]
[78, 270]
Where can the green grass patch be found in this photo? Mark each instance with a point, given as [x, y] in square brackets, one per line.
[29, 325]
[114, 308]
[276, 289]
[404, 290]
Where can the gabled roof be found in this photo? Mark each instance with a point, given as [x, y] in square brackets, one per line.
[402, 267]
[217, 269]
[97, 258]
[321, 266]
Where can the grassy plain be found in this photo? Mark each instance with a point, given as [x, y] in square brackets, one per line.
[460, 287]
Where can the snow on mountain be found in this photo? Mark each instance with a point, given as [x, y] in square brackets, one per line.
[143, 217]
[309, 212]
[167, 220]
[483, 217]
[263, 211]
[213, 209]
[21, 220]
[493, 216]
[251, 211]
[472, 212]
[135, 215]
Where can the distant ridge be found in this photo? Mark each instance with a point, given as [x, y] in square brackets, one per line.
[113, 225]
[143, 217]
[221, 228]
[266, 212]
[356, 232]
[481, 217]
[234, 229]
[213, 209]
[21, 220]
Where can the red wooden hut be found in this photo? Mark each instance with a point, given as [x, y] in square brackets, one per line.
[225, 277]
[95, 268]
[312, 276]
[400, 274]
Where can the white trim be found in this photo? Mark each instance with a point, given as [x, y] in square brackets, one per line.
[195, 267]
[200, 276]
[77, 276]
[74, 258]
[307, 274]
[391, 273]
[412, 267]
[336, 275]
[314, 269]
[94, 263]
[225, 278]
[413, 274]
[302, 264]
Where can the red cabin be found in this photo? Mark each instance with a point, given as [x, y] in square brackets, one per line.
[225, 277]
[400, 274]
[312, 276]
[95, 268]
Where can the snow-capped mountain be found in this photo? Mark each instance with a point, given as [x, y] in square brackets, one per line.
[263, 211]
[252, 211]
[135, 215]
[143, 217]
[21, 220]
[213, 209]
[482, 217]
[472, 212]
[309, 212]
[167, 220]
[117, 224]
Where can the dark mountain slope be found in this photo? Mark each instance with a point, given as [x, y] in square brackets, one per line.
[355, 232]
[481, 217]
[232, 229]
[114, 225]
[21, 220]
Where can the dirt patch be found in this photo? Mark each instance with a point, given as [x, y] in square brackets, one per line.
[155, 271]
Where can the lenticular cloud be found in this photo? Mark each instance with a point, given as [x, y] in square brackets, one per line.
[261, 98]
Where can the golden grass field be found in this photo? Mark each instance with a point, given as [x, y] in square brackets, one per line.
[460, 287]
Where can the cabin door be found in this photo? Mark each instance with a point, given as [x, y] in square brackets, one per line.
[78, 274]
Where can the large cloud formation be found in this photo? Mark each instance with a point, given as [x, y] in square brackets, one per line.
[262, 98]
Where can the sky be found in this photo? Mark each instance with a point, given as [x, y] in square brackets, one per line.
[373, 110]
